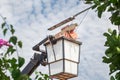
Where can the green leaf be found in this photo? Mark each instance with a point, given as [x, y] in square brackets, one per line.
[106, 60]
[118, 50]
[13, 39]
[13, 63]
[114, 32]
[40, 78]
[21, 61]
[10, 50]
[111, 9]
[36, 77]
[29, 79]
[101, 9]
[11, 26]
[106, 34]
[117, 76]
[1, 62]
[20, 44]
[108, 52]
[12, 30]
[46, 76]
[112, 68]
[97, 2]
[113, 1]
[110, 31]
[5, 31]
[93, 7]
[16, 74]
[10, 69]
[117, 20]
[23, 77]
[115, 17]
[99, 14]
[88, 2]
[41, 73]
[112, 78]
[3, 25]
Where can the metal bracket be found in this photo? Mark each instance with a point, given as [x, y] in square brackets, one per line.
[34, 63]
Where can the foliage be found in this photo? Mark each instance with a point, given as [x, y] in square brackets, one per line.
[112, 6]
[113, 53]
[9, 65]
[40, 76]
[113, 39]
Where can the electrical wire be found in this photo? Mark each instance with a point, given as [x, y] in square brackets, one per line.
[52, 46]
[82, 20]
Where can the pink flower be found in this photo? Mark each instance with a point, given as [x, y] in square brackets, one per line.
[3, 42]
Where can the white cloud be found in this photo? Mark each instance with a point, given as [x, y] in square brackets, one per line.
[31, 19]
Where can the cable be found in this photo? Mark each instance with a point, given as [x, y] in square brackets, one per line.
[82, 11]
[82, 20]
[68, 19]
[52, 48]
[47, 34]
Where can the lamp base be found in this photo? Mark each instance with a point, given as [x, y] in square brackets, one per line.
[63, 76]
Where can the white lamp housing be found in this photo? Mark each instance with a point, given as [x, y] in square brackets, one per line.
[63, 58]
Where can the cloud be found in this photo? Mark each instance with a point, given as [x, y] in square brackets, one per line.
[32, 18]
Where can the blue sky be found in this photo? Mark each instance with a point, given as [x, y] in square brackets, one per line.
[31, 18]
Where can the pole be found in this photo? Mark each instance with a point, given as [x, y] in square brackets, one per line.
[61, 23]
[82, 11]
[68, 19]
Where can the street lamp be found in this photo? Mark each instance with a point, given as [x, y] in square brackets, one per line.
[63, 57]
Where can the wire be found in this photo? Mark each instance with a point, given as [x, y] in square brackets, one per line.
[82, 11]
[52, 48]
[82, 20]
[68, 19]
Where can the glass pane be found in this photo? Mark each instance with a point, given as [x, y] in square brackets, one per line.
[71, 67]
[56, 67]
[71, 51]
[50, 53]
[57, 48]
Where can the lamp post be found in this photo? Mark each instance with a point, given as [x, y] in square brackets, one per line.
[63, 58]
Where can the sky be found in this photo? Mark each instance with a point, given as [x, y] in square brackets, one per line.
[32, 18]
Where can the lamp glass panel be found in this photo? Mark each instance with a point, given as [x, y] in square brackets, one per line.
[56, 67]
[71, 50]
[57, 48]
[71, 67]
